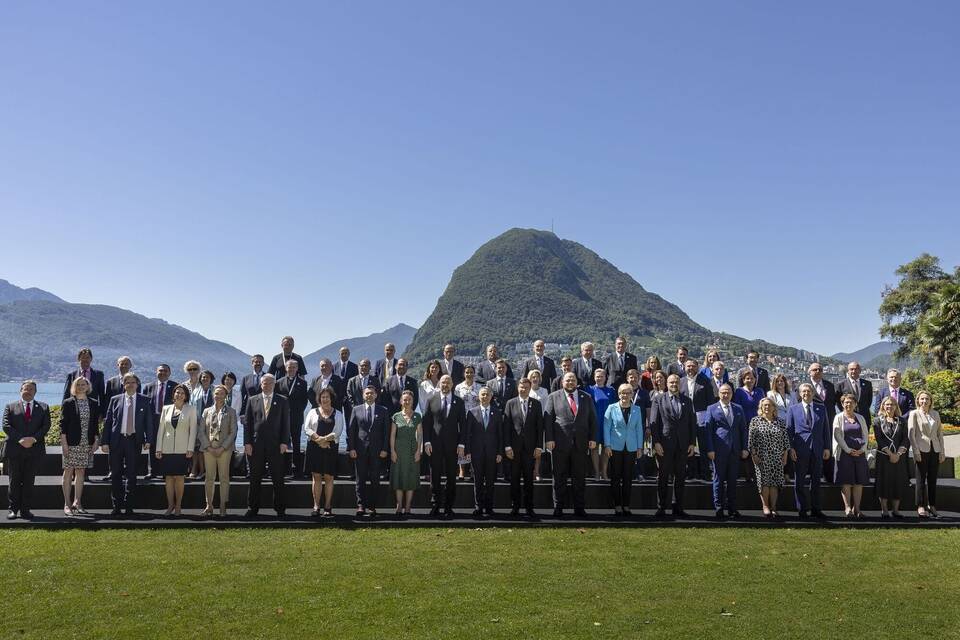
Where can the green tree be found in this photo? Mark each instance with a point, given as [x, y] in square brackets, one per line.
[944, 387]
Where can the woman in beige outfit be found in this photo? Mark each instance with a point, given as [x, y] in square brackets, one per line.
[218, 436]
[926, 438]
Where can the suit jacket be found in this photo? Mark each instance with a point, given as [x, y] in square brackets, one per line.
[250, 386]
[557, 383]
[617, 375]
[393, 391]
[184, 437]
[97, 384]
[16, 427]
[278, 366]
[763, 378]
[338, 385]
[455, 371]
[114, 387]
[619, 434]
[671, 429]
[150, 390]
[487, 370]
[509, 391]
[267, 432]
[905, 400]
[829, 399]
[345, 371]
[384, 369]
[815, 437]
[355, 387]
[899, 438]
[585, 377]
[484, 443]
[143, 420]
[703, 395]
[366, 434]
[523, 435]
[923, 436]
[444, 433]
[547, 375]
[228, 427]
[733, 434]
[296, 395]
[676, 368]
[70, 421]
[865, 397]
[564, 429]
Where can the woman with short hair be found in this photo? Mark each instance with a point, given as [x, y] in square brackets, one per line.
[176, 435]
[768, 443]
[850, 450]
[926, 437]
[218, 436]
[323, 428]
[79, 438]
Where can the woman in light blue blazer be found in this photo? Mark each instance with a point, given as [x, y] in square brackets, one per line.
[623, 440]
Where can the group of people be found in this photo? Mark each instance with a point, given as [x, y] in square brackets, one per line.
[482, 420]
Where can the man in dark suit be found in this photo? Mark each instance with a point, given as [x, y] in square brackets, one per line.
[127, 424]
[673, 426]
[294, 389]
[903, 397]
[160, 392]
[571, 432]
[450, 366]
[585, 365]
[859, 388]
[618, 363]
[483, 448]
[397, 384]
[387, 365]
[25, 423]
[700, 390]
[114, 386]
[250, 385]
[725, 431]
[278, 366]
[359, 382]
[344, 367]
[266, 438]
[328, 379]
[94, 377]
[487, 370]
[810, 438]
[566, 366]
[823, 393]
[444, 437]
[368, 444]
[761, 374]
[542, 363]
[678, 366]
[522, 438]
[502, 387]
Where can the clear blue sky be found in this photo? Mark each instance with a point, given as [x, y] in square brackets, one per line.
[765, 166]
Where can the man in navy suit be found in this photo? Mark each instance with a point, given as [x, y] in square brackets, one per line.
[250, 385]
[809, 434]
[294, 388]
[387, 365]
[761, 374]
[160, 392]
[444, 437]
[483, 448]
[859, 388]
[501, 387]
[699, 389]
[367, 445]
[344, 367]
[586, 365]
[487, 370]
[679, 365]
[542, 363]
[25, 423]
[570, 429]
[358, 384]
[725, 433]
[618, 363]
[522, 440]
[94, 377]
[126, 427]
[673, 426]
[396, 384]
[903, 397]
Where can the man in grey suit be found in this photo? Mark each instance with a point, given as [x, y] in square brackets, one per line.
[571, 432]
[266, 438]
[673, 426]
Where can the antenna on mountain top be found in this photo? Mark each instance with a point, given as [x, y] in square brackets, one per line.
[551, 226]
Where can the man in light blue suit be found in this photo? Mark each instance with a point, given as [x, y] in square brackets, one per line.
[809, 433]
[725, 436]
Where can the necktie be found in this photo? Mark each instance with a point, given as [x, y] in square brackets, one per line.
[501, 388]
[444, 407]
[266, 406]
[28, 411]
[855, 384]
[821, 392]
[366, 381]
[128, 423]
[369, 414]
[893, 393]
[573, 404]
[486, 418]
[540, 363]
[676, 404]
[621, 362]
[726, 413]
[808, 415]
[160, 387]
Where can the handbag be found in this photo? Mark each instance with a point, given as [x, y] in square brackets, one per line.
[238, 463]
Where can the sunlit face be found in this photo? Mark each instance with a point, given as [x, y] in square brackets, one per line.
[449, 352]
[446, 385]
[538, 347]
[364, 367]
[924, 401]
[853, 370]
[389, 350]
[81, 386]
[163, 373]
[287, 345]
[468, 375]
[219, 395]
[257, 363]
[492, 352]
[566, 365]
[600, 377]
[523, 388]
[749, 380]
[681, 355]
[501, 369]
[586, 351]
[717, 369]
[659, 381]
[816, 372]
[344, 354]
[620, 345]
[85, 360]
[28, 390]
[179, 396]
[633, 379]
[267, 384]
[535, 379]
[849, 405]
[752, 359]
[124, 365]
[369, 395]
[726, 394]
[292, 367]
[893, 379]
[484, 396]
[625, 395]
[806, 394]
[401, 367]
[673, 384]
[406, 401]
[434, 370]
[326, 368]
[691, 368]
[130, 386]
[887, 407]
[569, 382]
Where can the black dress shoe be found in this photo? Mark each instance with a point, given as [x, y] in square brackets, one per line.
[11, 515]
[372, 513]
[316, 513]
[802, 515]
[26, 514]
[360, 513]
[435, 511]
[515, 511]
[680, 513]
[580, 513]
[627, 513]
[735, 514]
[448, 513]
[129, 511]
[250, 513]
[558, 513]
[816, 513]
[660, 513]
[719, 514]
[477, 513]
[116, 511]
[490, 513]
[281, 513]
[531, 513]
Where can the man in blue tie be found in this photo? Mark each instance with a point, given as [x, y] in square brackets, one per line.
[367, 445]
[725, 435]
[809, 434]
[483, 449]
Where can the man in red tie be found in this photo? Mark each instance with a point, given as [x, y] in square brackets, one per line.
[26, 423]
[571, 432]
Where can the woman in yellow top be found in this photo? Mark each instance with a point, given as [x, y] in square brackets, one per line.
[176, 435]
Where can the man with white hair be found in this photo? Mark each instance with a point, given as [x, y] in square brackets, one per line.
[266, 438]
[903, 397]
[585, 366]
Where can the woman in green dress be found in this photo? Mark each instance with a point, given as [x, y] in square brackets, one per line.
[406, 440]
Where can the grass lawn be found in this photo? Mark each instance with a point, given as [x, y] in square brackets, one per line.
[492, 583]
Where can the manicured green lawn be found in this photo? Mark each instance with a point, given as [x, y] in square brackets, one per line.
[493, 583]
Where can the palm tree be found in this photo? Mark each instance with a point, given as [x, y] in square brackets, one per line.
[939, 329]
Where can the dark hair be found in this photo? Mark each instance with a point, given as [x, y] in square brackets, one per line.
[184, 388]
[257, 355]
[228, 374]
[471, 367]
[426, 371]
[164, 365]
[333, 395]
[499, 360]
[85, 351]
[207, 372]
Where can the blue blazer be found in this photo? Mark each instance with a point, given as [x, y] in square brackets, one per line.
[904, 398]
[617, 433]
[717, 430]
[815, 438]
[113, 420]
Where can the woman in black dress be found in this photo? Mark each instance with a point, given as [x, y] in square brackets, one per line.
[893, 442]
[323, 428]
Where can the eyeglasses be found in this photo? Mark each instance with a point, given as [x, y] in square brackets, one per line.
[192, 370]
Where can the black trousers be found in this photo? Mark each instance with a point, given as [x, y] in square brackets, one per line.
[152, 441]
[484, 479]
[367, 473]
[673, 463]
[23, 472]
[521, 471]
[123, 471]
[443, 464]
[296, 455]
[569, 464]
[258, 464]
[621, 477]
[926, 472]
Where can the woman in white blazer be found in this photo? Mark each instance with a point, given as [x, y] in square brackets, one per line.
[176, 435]
[926, 438]
[780, 394]
[850, 450]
